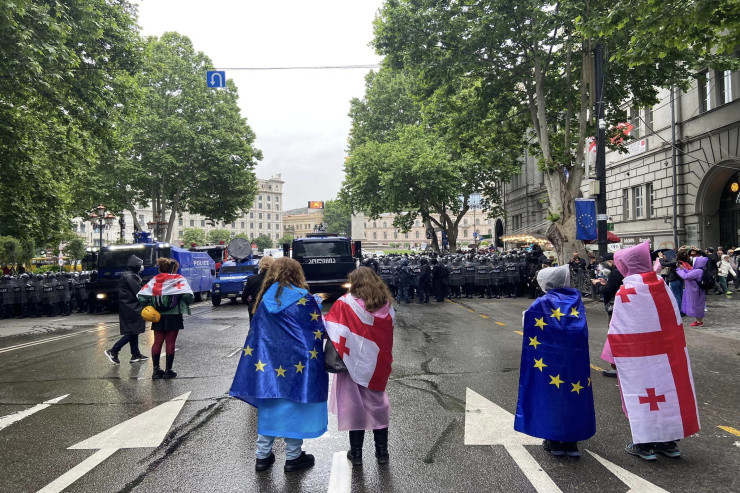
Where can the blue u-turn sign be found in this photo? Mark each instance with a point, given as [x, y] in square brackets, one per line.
[216, 78]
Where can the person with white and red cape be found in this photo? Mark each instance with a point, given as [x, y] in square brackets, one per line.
[646, 342]
[360, 326]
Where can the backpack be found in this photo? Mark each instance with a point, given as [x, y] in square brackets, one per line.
[707, 277]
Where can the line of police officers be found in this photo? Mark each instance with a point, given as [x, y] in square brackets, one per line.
[492, 275]
[36, 295]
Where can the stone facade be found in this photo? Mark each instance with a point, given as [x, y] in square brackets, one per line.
[299, 225]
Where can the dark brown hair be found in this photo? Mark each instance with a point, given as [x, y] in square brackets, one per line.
[367, 285]
[167, 265]
[285, 271]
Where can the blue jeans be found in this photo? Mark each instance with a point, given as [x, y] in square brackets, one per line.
[132, 340]
[292, 447]
[677, 289]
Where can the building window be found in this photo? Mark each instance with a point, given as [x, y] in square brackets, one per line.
[465, 222]
[625, 204]
[465, 233]
[179, 234]
[725, 87]
[636, 122]
[385, 224]
[242, 225]
[192, 223]
[233, 224]
[259, 225]
[705, 92]
[82, 227]
[477, 221]
[268, 198]
[374, 225]
[268, 215]
[259, 206]
[268, 206]
[260, 197]
[268, 225]
[406, 235]
[251, 225]
[650, 118]
[74, 227]
[203, 223]
[395, 234]
[277, 226]
[417, 235]
[637, 202]
[259, 215]
[650, 194]
[375, 235]
[141, 218]
[179, 222]
[385, 235]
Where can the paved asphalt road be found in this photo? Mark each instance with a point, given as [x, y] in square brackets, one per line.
[441, 350]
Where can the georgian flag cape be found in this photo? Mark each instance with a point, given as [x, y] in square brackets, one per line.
[648, 345]
[364, 341]
[166, 284]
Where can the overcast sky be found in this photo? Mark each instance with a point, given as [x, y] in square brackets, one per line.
[299, 116]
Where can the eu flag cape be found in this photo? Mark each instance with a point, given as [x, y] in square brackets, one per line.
[281, 366]
[555, 396]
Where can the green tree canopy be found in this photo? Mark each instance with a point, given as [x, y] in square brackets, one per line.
[216, 236]
[286, 238]
[337, 217]
[65, 73]
[263, 241]
[75, 249]
[193, 235]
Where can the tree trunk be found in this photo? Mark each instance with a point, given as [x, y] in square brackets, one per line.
[173, 215]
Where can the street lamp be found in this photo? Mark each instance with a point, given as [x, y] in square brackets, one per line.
[101, 220]
[154, 226]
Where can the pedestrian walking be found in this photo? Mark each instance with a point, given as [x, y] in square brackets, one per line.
[129, 312]
[723, 270]
[170, 294]
[674, 280]
[281, 369]
[646, 341]
[694, 295]
[360, 326]
[557, 404]
[254, 283]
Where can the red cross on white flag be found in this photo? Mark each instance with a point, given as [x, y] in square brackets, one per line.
[649, 347]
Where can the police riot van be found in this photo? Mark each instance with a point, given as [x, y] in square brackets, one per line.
[232, 277]
[326, 260]
[197, 267]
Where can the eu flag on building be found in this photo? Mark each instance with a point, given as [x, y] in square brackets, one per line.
[283, 356]
[555, 395]
[586, 219]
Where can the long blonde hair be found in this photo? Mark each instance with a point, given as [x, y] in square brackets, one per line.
[367, 285]
[285, 271]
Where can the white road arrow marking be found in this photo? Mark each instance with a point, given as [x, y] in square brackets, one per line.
[148, 429]
[8, 420]
[340, 480]
[635, 483]
[488, 424]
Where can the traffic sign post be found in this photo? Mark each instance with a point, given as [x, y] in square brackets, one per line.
[216, 78]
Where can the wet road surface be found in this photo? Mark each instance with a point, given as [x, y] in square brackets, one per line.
[442, 353]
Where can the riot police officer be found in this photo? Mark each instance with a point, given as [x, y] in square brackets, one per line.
[469, 271]
[457, 278]
[512, 275]
[48, 295]
[386, 273]
[23, 281]
[66, 280]
[405, 281]
[481, 279]
[34, 290]
[497, 277]
[5, 297]
[16, 288]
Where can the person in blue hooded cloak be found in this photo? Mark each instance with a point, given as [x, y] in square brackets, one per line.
[281, 367]
[556, 400]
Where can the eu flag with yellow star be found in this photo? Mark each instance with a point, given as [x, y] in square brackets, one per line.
[555, 396]
[586, 226]
[281, 366]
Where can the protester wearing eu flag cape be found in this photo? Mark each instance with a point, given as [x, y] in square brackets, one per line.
[281, 368]
[555, 397]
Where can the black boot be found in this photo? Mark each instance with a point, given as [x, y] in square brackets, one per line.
[158, 372]
[381, 445]
[169, 373]
[354, 454]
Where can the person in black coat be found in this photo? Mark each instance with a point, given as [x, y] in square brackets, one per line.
[425, 281]
[129, 312]
[254, 283]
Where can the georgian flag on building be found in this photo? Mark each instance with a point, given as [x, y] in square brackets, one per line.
[364, 341]
[166, 284]
[647, 341]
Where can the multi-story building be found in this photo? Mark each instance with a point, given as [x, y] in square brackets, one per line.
[299, 222]
[640, 185]
[264, 218]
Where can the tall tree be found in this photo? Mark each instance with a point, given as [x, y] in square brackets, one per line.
[411, 153]
[216, 236]
[537, 54]
[65, 69]
[191, 150]
[193, 235]
[337, 217]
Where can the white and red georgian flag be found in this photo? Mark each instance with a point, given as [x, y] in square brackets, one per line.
[364, 341]
[166, 284]
[649, 347]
